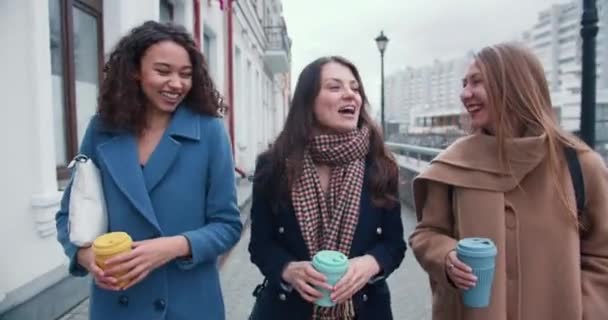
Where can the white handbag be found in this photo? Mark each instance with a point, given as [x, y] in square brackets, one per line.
[88, 217]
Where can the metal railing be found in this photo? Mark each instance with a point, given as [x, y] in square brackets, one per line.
[414, 151]
[278, 39]
[412, 159]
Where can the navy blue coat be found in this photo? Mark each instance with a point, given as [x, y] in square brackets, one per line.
[187, 187]
[276, 239]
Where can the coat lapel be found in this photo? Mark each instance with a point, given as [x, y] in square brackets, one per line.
[472, 162]
[183, 125]
[160, 161]
[119, 155]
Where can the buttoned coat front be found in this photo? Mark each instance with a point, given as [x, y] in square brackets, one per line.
[186, 188]
[276, 240]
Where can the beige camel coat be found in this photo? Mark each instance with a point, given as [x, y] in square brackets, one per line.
[544, 271]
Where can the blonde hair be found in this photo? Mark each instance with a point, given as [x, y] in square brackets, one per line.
[519, 99]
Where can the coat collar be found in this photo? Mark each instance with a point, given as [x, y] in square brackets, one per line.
[185, 124]
[120, 157]
[479, 152]
[475, 159]
[472, 162]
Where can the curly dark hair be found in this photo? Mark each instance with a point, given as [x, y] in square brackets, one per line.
[122, 103]
[280, 166]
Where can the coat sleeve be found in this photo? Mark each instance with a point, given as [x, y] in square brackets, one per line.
[62, 216]
[390, 250]
[594, 239]
[264, 249]
[223, 228]
[433, 238]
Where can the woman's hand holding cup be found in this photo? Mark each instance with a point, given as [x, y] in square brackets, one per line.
[86, 258]
[461, 275]
[303, 277]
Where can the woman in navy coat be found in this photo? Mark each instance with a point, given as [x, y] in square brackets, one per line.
[168, 179]
[327, 183]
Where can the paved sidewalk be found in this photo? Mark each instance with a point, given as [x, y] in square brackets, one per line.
[410, 291]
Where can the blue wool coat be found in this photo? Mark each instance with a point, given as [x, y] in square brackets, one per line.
[186, 188]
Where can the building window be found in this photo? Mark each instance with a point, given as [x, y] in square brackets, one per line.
[76, 47]
[254, 4]
[57, 82]
[206, 45]
[166, 11]
[267, 18]
[209, 49]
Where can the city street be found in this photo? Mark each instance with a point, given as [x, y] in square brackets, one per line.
[271, 75]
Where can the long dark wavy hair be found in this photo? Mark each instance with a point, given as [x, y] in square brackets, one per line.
[122, 103]
[282, 164]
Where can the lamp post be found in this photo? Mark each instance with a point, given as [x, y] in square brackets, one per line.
[589, 31]
[382, 41]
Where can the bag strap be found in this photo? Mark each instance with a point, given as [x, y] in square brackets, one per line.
[576, 173]
[79, 158]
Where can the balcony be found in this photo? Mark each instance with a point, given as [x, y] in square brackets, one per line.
[277, 55]
[571, 82]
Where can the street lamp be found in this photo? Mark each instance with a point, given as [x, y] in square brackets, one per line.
[589, 31]
[382, 41]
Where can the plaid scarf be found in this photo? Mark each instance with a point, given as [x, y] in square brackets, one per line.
[329, 223]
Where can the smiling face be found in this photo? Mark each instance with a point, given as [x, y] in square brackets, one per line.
[475, 99]
[338, 104]
[165, 75]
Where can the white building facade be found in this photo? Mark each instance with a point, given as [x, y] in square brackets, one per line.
[404, 90]
[260, 66]
[556, 40]
[430, 94]
[54, 53]
[426, 98]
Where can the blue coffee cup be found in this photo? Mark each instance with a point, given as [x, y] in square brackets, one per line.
[480, 255]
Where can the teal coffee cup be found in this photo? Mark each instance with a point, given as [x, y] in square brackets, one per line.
[480, 255]
[332, 264]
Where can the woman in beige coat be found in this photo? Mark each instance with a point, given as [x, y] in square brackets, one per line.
[509, 182]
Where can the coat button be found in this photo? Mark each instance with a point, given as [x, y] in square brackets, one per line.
[281, 230]
[364, 298]
[379, 231]
[282, 297]
[123, 300]
[160, 304]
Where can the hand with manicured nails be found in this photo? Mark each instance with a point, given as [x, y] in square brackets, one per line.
[303, 277]
[461, 275]
[360, 271]
[86, 258]
[145, 257]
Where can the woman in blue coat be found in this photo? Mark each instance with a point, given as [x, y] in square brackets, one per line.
[168, 180]
[327, 183]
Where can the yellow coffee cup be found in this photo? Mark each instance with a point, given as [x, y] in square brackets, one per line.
[109, 245]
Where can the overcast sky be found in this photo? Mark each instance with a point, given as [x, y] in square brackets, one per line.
[419, 31]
